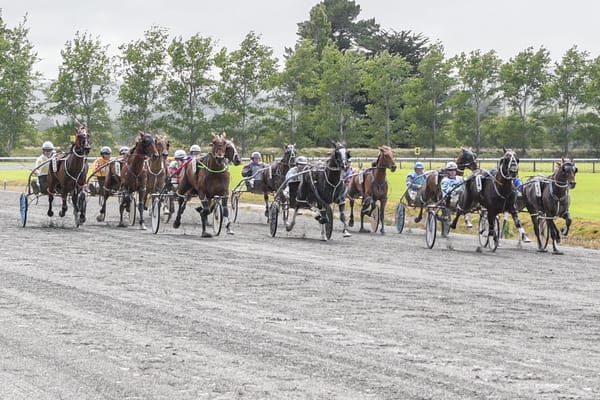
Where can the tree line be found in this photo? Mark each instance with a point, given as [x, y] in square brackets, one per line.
[344, 79]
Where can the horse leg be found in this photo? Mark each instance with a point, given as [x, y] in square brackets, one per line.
[342, 208]
[102, 213]
[419, 217]
[468, 221]
[366, 203]
[181, 203]
[204, 215]
[382, 204]
[125, 200]
[555, 234]
[266, 197]
[50, 213]
[226, 216]
[522, 234]
[351, 220]
[567, 218]
[64, 206]
[141, 207]
[457, 216]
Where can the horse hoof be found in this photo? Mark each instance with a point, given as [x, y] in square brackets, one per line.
[51, 213]
[230, 232]
[121, 225]
[100, 217]
[347, 234]
[542, 251]
[351, 223]
[417, 220]
[206, 235]
[82, 220]
[363, 230]
[61, 213]
[557, 253]
[176, 224]
[525, 239]
[143, 227]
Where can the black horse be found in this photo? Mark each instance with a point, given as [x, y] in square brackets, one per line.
[321, 186]
[273, 175]
[547, 198]
[494, 192]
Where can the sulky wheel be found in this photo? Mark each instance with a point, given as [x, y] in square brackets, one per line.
[430, 228]
[273, 217]
[543, 233]
[217, 217]
[496, 238]
[155, 213]
[484, 228]
[235, 204]
[23, 206]
[329, 224]
[375, 218]
[400, 217]
[132, 209]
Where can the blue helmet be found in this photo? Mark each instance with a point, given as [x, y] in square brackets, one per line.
[419, 164]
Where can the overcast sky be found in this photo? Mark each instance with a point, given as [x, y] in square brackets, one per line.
[507, 26]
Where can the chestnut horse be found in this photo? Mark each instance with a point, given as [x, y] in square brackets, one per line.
[67, 175]
[157, 167]
[371, 184]
[132, 177]
[431, 191]
[548, 197]
[209, 178]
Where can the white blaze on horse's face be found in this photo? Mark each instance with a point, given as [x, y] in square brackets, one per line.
[342, 153]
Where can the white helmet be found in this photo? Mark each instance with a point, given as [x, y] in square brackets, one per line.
[256, 154]
[451, 165]
[105, 150]
[301, 160]
[179, 154]
[47, 146]
[124, 150]
[195, 148]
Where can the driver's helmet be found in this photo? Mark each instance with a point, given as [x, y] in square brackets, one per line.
[195, 149]
[451, 166]
[123, 150]
[47, 146]
[419, 165]
[301, 160]
[256, 154]
[105, 150]
[179, 154]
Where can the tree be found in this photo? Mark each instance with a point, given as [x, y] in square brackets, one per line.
[339, 85]
[522, 79]
[478, 77]
[588, 131]
[426, 97]
[18, 82]
[383, 78]
[317, 29]
[566, 90]
[83, 85]
[246, 75]
[294, 87]
[142, 69]
[412, 46]
[189, 87]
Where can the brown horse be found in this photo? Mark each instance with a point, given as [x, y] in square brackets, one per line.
[547, 198]
[132, 178]
[371, 184]
[157, 167]
[431, 191]
[209, 178]
[67, 175]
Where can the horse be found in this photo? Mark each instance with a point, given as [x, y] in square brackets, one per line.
[132, 177]
[431, 191]
[273, 175]
[371, 184]
[321, 186]
[548, 197]
[208, 177]
[67, 174]
[157, 167]
[494, 192]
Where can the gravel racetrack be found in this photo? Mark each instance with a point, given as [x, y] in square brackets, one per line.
[101, 312]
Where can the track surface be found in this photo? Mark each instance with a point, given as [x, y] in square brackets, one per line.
[100, 312]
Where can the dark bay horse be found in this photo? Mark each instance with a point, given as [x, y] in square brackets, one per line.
[133, 177]
[494, 192]
[274, 174]
[548, 197]
[67, 174]
[431, 191]
[157, 167]
[321, 186]
[208, 177]
[371, 184]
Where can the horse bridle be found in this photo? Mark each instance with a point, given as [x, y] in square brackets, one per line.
[508, 161]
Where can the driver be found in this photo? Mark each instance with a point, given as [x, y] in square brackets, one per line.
[41, 184]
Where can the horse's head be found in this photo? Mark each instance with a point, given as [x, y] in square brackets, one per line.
[162, 146]
[146, 146]
[231, 153]
[466, 159]
[289, 154]
[508, 165]
[82, 143]
[385, 159]
[340, 157]
[566, 171]
[219, 147]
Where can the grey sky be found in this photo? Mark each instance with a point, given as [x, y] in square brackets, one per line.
[461, 25]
